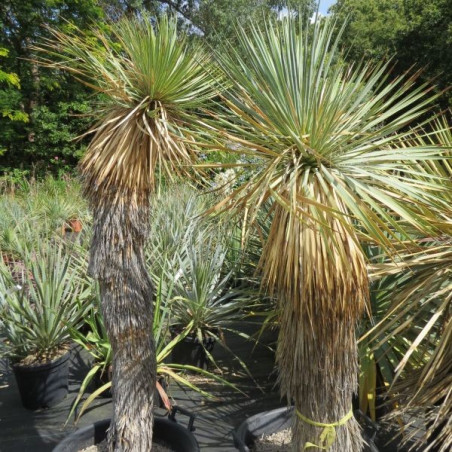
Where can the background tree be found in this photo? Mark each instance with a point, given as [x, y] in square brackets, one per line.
[43, 91]
[152, 83]
[217, 19]
[415, 32]
[213, 21]
[9, 101]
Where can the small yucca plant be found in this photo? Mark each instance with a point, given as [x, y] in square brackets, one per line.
[39, 310]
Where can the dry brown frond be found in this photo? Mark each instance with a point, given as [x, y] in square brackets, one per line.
[319, 276]
[128, 147]
[427, 394]
[313, 258]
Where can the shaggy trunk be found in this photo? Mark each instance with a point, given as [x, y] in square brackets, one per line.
[117, 262]
[320, 279]
[323, 381]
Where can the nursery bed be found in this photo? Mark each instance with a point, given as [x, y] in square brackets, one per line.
[39, 431]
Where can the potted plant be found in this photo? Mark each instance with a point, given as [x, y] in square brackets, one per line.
[205, 298]
[154, 84]
[199, 274]
[167, 432]
[72, 224]
[36, 319]
[93, 338]
[260, 426]
[338, 169]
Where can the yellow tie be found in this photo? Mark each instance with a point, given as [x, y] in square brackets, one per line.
[328, 434]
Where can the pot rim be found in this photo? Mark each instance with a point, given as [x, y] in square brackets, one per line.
[281, 418]
[38, 367]
[97, 428]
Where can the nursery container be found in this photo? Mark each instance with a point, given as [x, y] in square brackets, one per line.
[43, 385]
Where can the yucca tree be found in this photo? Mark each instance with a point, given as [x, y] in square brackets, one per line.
[417, 330]
[418, 321]
[327, 138]
[151, 82]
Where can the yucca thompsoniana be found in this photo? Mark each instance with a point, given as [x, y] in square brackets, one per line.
[415, 334]
[325, 138]
[151, 83]
[416, 327]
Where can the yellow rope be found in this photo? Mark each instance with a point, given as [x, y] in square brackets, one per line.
[328, 435]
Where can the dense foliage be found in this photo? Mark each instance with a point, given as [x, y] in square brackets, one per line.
[415, 32]
[42, 108]
[44, 111]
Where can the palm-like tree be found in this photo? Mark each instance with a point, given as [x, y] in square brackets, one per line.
[417, 330]
[326, 138]
[417, 324]
[151, 82]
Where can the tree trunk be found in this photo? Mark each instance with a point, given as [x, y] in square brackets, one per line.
[34, 95]
[319, 276]
[326, 381]
[117, 262]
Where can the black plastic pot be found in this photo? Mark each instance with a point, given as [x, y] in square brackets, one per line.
[43, 385]
[190, 351]
[167, 431]
[269, 422]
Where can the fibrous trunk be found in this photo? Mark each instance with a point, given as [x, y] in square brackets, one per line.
[320, 279]
[117, 262]
[322, 382]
